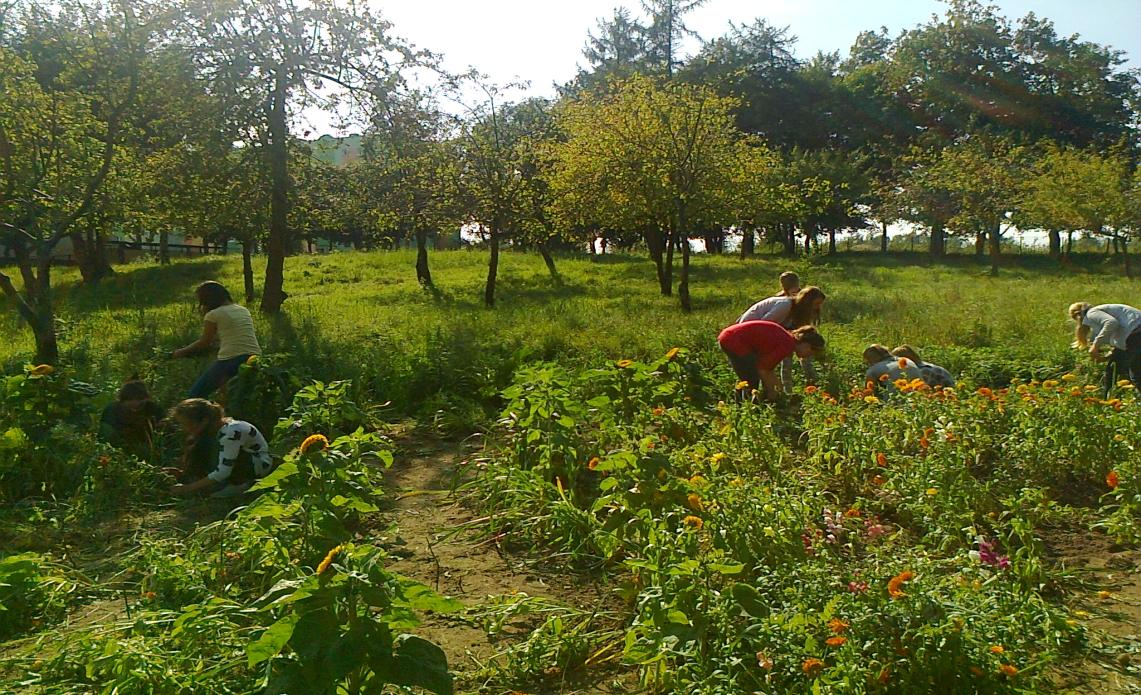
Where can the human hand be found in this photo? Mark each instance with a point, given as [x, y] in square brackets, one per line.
[1095, 353]
[171, 471]
[178, 490]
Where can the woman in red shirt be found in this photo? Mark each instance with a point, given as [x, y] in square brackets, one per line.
[755, 348]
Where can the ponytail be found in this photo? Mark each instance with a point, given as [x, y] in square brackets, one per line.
[1077, 312]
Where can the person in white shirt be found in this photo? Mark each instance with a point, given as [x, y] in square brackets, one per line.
[1117, 326]
[233, 328]
[933, 374]
[240, 453]
[885, 368]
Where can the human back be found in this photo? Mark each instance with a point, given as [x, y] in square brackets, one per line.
[236, 334]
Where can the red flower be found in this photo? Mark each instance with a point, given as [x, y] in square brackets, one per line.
[1112, 480]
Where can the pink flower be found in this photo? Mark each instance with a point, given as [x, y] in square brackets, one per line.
[857, 587]
[988, 555]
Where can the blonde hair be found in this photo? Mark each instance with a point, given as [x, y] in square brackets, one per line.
[1077, 312]
[804, 311]
[876, 353]
[908, 352]
[200, 412]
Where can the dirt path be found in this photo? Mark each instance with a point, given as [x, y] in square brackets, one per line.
[436, 547]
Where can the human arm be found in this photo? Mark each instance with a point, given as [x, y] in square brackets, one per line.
[1104, 325]
[191, 488]
[769, 382]
[209, 334]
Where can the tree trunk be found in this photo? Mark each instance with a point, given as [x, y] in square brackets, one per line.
[34, 310]
[1125, 256]
[548, 259]
[831, 241]
[668, 270]
[273, 294]
[883, 237]
[995, 248]
[423, 273]
[748, 243]
[1055, 243]
[938, 244]
[164, 247]
[248, 269]
[980, 244]
[683, 283]
[656, 246]
[789, 239]
[1069, 243]
[492, 268]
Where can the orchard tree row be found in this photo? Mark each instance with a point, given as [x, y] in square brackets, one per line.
[147, 118]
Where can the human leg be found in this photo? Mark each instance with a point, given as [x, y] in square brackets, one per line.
[215, 376]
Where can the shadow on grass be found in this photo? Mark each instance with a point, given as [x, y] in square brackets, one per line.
[144, 287]
[1039, 264]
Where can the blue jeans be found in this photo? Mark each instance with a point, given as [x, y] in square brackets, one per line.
[215, 376]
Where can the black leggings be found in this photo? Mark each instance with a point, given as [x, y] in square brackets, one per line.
[1124, 364]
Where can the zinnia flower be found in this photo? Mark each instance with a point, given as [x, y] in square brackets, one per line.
[883, 377]
[810, 390]
[672, 353]
[694, 501]
[932, 491]
[41, 370]
[332, 555]
[1104, 595]
[1112, 480]
[252, 360]
[902, 363]
[1008, 670]
[1069, 377]
[694, 521]
[658, 411]
[764, 661]
[881, 459]
[997, 649]
[836, 625]
[742, 385]
[812, 667]
[622, 364]
[592, 463]
[320, 441]
[835, 641]
[894, 584]
[1124, 382]
[871, 399]
[984, 391]
[879, 480]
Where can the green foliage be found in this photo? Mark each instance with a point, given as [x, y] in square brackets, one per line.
[259, 393]
[33, 590]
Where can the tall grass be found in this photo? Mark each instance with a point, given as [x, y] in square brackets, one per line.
[363, 316]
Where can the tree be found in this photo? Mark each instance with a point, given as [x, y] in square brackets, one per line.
[280, 49]
[654, 157]
[57, 149]
[614, 51]
[665, 32]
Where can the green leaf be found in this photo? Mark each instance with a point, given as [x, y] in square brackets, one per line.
[421, 597]
[750, 600]
[418, 662]
[272, 641]
[354, 503]
[285, 470]
[735, 568]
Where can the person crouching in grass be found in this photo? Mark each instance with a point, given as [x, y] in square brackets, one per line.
[755, 348]
[221, 455]
[232, 327]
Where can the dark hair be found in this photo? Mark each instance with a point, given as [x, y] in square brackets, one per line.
[809, 335]
[134, 389]
[788, 279]
[804, 311]
[876, 353]
[212, 295]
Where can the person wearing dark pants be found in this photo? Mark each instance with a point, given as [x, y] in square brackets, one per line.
[233, 328]
[1110, 325]
[755, 348]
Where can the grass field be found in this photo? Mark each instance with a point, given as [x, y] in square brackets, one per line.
[547, 497]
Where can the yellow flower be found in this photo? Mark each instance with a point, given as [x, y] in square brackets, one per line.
[41, 370]
[1069, 377]
[698, 481]
[1091, 387]
[332, 555]
[252, 360]
[871, 399]
[812, 667]
[1124, 382]
[997, 649]
[672, 353]
[718, 457]
[320, 441]
[742, 385]
[900, 383]
[1119, 437]
[694, 521]
[622, 364]
[694, 501]
[932, 491]
[1104, 595]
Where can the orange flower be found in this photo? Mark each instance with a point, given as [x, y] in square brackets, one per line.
[150, 595]
[104, 460]
[984, 391]
[978, 672]
[1075, 392]
[894, 584]
[997, 649]
[810, 390]
[672, 353]
[764, 661]
[332, 555]
[885, 675]
[884, 377]
[1008, 670]
[1104, 595]
[835, 641]
[812, 667]
[924, 443]
[694, 521]
[879, 480]
[592, 463]
[852, 513]
[902, 363]
[1112, 480]
[659, 411]
[836, 625]
[881, 459]
[320, 441]
[694, 502]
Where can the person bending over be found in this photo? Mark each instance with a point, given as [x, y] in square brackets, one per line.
[933, 374]
[755, 348]
[240, 456]
[130, 422]
[1113, 325]
[232, 326]
[885, 368]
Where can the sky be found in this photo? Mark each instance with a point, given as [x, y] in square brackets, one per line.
[541, 41]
